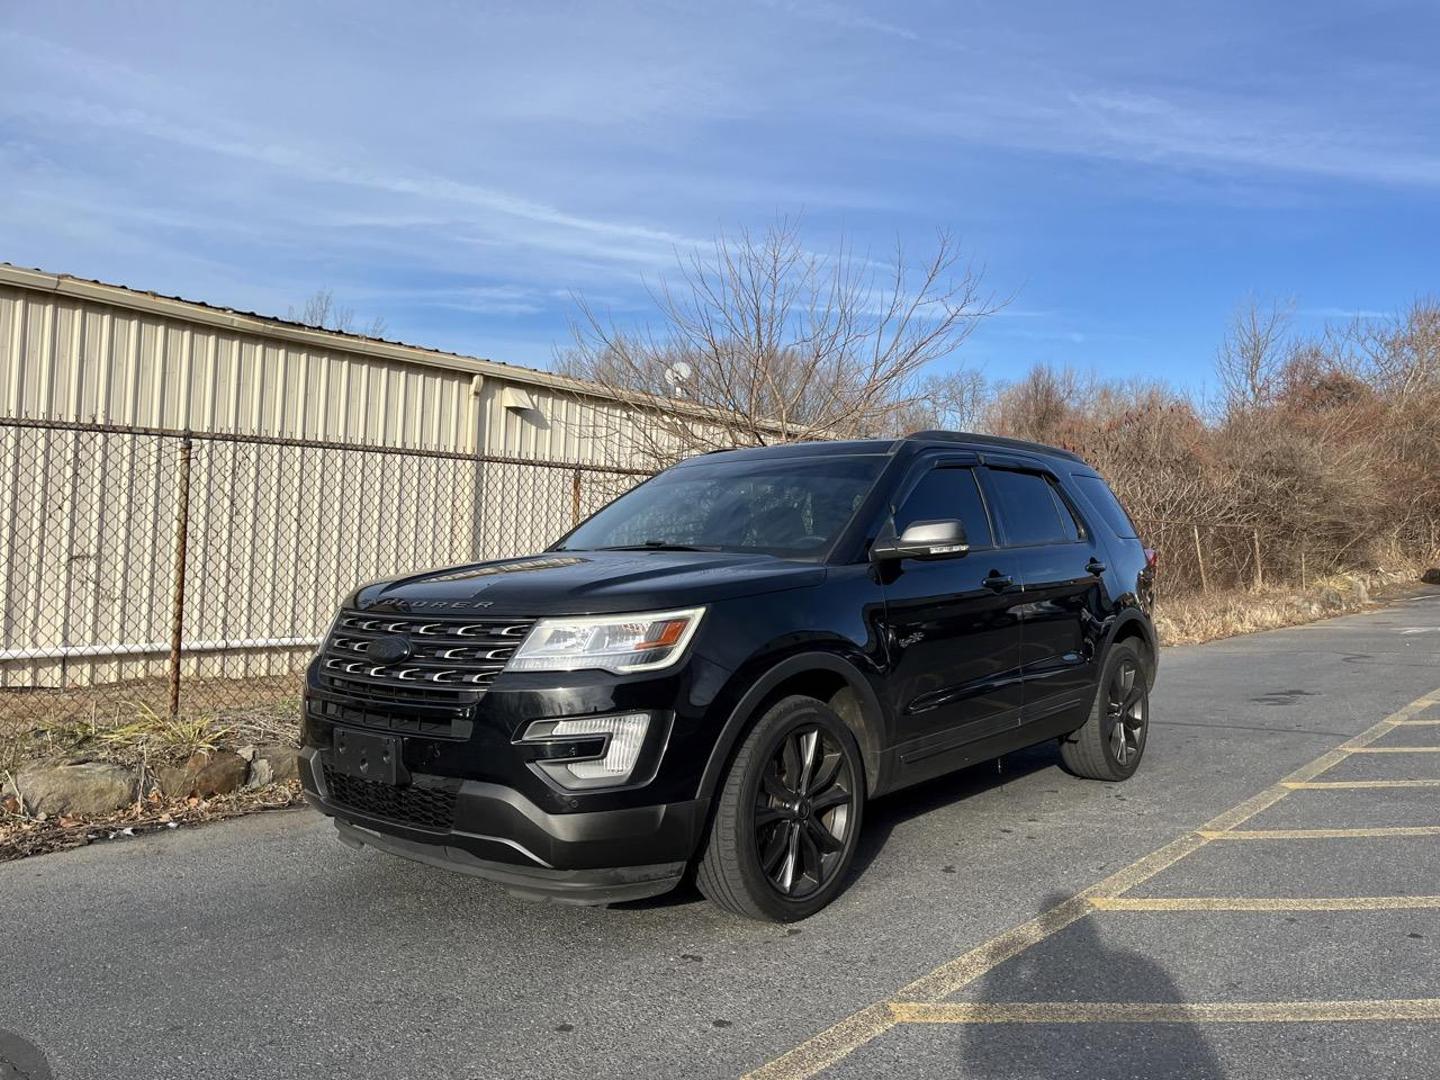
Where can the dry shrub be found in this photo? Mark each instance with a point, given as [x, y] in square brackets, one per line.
[1325, 451]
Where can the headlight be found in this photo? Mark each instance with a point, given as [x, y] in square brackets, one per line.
[618, 643]
[618, 740]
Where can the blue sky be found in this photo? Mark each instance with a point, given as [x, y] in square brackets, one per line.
[1126, 172]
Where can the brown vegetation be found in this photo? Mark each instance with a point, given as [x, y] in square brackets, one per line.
[1323, 456]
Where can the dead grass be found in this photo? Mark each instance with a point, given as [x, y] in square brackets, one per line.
[21, 836]
[1196, 617]
[129, 722]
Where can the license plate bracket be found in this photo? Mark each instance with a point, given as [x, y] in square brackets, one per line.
[369, 757]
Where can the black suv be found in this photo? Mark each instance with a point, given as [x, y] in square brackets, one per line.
[718, 669]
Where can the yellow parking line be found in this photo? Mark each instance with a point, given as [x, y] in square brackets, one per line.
[1164, 1012]
[1266, 903]
[1396, 750]
[1321, 834]
[1335, 785]
[838, 1042]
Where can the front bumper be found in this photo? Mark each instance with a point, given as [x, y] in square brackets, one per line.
[492, 831]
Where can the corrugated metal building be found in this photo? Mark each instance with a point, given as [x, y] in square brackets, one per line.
[72, 349]
[92, 554]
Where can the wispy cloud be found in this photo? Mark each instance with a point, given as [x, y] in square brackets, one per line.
[843, 17]
[464, 171]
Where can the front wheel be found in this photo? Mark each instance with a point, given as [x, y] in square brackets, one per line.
[787, 817]
[1112, 741]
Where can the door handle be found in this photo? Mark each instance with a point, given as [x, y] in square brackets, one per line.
[997, 581]
[1095, 566]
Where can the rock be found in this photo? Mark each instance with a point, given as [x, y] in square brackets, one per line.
[1431, 576]
[1362, 591]
[274, 763]
[81, 789]
[216, 773]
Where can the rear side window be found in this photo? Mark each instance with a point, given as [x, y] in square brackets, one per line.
[1099, 495]
[1031, 512]
[944, 494]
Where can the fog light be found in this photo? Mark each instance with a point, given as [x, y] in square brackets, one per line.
[626, 736]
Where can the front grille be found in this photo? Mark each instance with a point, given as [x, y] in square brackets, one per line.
[452, 661]
[422, 807]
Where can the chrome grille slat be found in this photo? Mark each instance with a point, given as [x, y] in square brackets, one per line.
[453, 658]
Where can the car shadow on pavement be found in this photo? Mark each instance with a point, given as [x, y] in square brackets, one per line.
[1082, 963]
[20, 1059]
[884, 814]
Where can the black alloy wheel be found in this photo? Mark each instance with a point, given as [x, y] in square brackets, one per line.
[803, 811]
[787, 815]
[1126, 709]
[1111, 742]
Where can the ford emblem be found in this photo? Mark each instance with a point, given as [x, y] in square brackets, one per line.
[390, 649]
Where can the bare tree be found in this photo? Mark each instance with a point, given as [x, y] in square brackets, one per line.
[759, 340]
[948, 401]
[322, 311]
[1253, 353]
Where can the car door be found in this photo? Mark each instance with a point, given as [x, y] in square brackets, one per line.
[1059, 566]
[952, 633]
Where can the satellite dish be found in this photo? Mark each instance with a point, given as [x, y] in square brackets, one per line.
[677, 374]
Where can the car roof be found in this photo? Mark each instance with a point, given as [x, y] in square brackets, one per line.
[962, 440]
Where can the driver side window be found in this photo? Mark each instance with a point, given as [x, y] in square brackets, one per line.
[947, 492]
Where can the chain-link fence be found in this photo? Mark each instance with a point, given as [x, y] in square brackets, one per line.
[1199, 556]
[146, 571]
[192, 573]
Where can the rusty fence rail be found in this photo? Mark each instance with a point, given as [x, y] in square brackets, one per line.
[185, 572]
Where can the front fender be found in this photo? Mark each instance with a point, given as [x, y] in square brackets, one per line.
[868, 732]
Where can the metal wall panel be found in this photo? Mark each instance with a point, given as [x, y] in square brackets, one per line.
[63, 358]
[276, 533]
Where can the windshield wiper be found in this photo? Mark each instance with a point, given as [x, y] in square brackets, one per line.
[660, 545]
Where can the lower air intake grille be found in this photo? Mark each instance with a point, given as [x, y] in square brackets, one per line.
[424, 808]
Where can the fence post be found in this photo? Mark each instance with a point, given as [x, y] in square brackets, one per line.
[1259, 572]
[1199, 558]
[575, 480]
[1303, 582]
[177, 603]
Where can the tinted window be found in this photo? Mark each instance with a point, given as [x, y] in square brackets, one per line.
[1029, 510]
[790, 507]
[1073, 529]
[946, 494]
[1099, 495]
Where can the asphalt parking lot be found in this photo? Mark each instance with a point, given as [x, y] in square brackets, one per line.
[1262, 900]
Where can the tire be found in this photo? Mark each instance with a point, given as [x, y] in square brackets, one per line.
[1122, 700]
[787, 816]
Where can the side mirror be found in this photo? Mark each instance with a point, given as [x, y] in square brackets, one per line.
[923, 540]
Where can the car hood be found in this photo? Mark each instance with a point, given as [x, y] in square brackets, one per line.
[588, 583]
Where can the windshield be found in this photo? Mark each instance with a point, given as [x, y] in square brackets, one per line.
[793, 507]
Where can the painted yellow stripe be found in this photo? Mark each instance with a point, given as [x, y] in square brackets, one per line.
[835, 1043]
[1322, 834]
[1396, 750]
[1417, 723]
[1266, 903]
[1164, 1012]
[1338, 785]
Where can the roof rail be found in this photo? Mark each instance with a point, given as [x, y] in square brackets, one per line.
[992, 440]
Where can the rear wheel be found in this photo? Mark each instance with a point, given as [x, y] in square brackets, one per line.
[1112, 741]
[787, 817]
